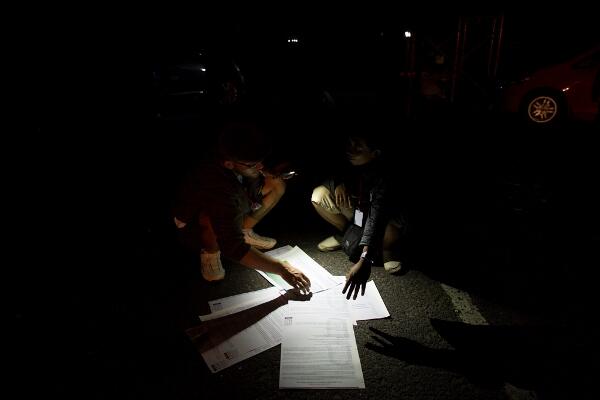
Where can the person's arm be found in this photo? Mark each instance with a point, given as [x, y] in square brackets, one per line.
[256, 260]
[213, 332]
[185, 205]
[377, 215]
[342, 197]
[359, 273]
[357, 277]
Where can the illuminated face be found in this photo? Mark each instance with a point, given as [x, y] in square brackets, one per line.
[358, 153]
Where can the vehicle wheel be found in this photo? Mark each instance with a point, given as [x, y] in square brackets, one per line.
[544, 109]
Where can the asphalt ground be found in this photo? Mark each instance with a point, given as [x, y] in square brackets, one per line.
[504, 215]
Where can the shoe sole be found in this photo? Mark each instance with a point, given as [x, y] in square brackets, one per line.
[394, 270]
[329, 248]
[213, 280]
[263, 247]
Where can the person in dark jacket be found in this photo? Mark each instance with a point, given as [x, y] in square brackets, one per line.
[363, 195]
[224, 198]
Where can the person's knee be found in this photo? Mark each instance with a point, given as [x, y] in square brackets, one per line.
[392, 235]
[279, 186]
[205, 225]
[319, 193]
[275, 187]
[321, 208]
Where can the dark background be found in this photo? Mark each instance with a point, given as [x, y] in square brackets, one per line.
[94, 171]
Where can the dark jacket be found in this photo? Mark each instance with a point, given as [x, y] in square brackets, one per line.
[375, 194]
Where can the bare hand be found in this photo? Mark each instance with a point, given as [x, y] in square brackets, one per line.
[342, 198]
[295, 277]
[356, 279]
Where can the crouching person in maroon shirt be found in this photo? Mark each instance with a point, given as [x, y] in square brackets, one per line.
[224, 198]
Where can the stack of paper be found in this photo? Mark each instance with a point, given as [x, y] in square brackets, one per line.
[250, 341]
[318, 344]
[319, 348]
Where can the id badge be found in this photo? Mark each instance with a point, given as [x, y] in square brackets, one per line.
[358, 217]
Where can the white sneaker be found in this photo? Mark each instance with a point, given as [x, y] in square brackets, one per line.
[212, 269]
[255, 240]
[392, 266]
[329, 244]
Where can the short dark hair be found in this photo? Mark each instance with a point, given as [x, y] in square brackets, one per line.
[243, 141]
[363, 128]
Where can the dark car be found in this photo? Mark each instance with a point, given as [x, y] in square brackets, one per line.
[557, 92]
[186, 81]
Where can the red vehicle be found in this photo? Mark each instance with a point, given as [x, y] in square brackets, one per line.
[557, 92]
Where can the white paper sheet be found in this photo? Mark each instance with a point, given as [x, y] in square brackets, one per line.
[320, 278]
[240, 299]
[328, 302]
[327, 313]
[319, 351]
[276, 253]
[261, 336]
[369, 306]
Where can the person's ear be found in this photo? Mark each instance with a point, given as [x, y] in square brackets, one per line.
[228, 164]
